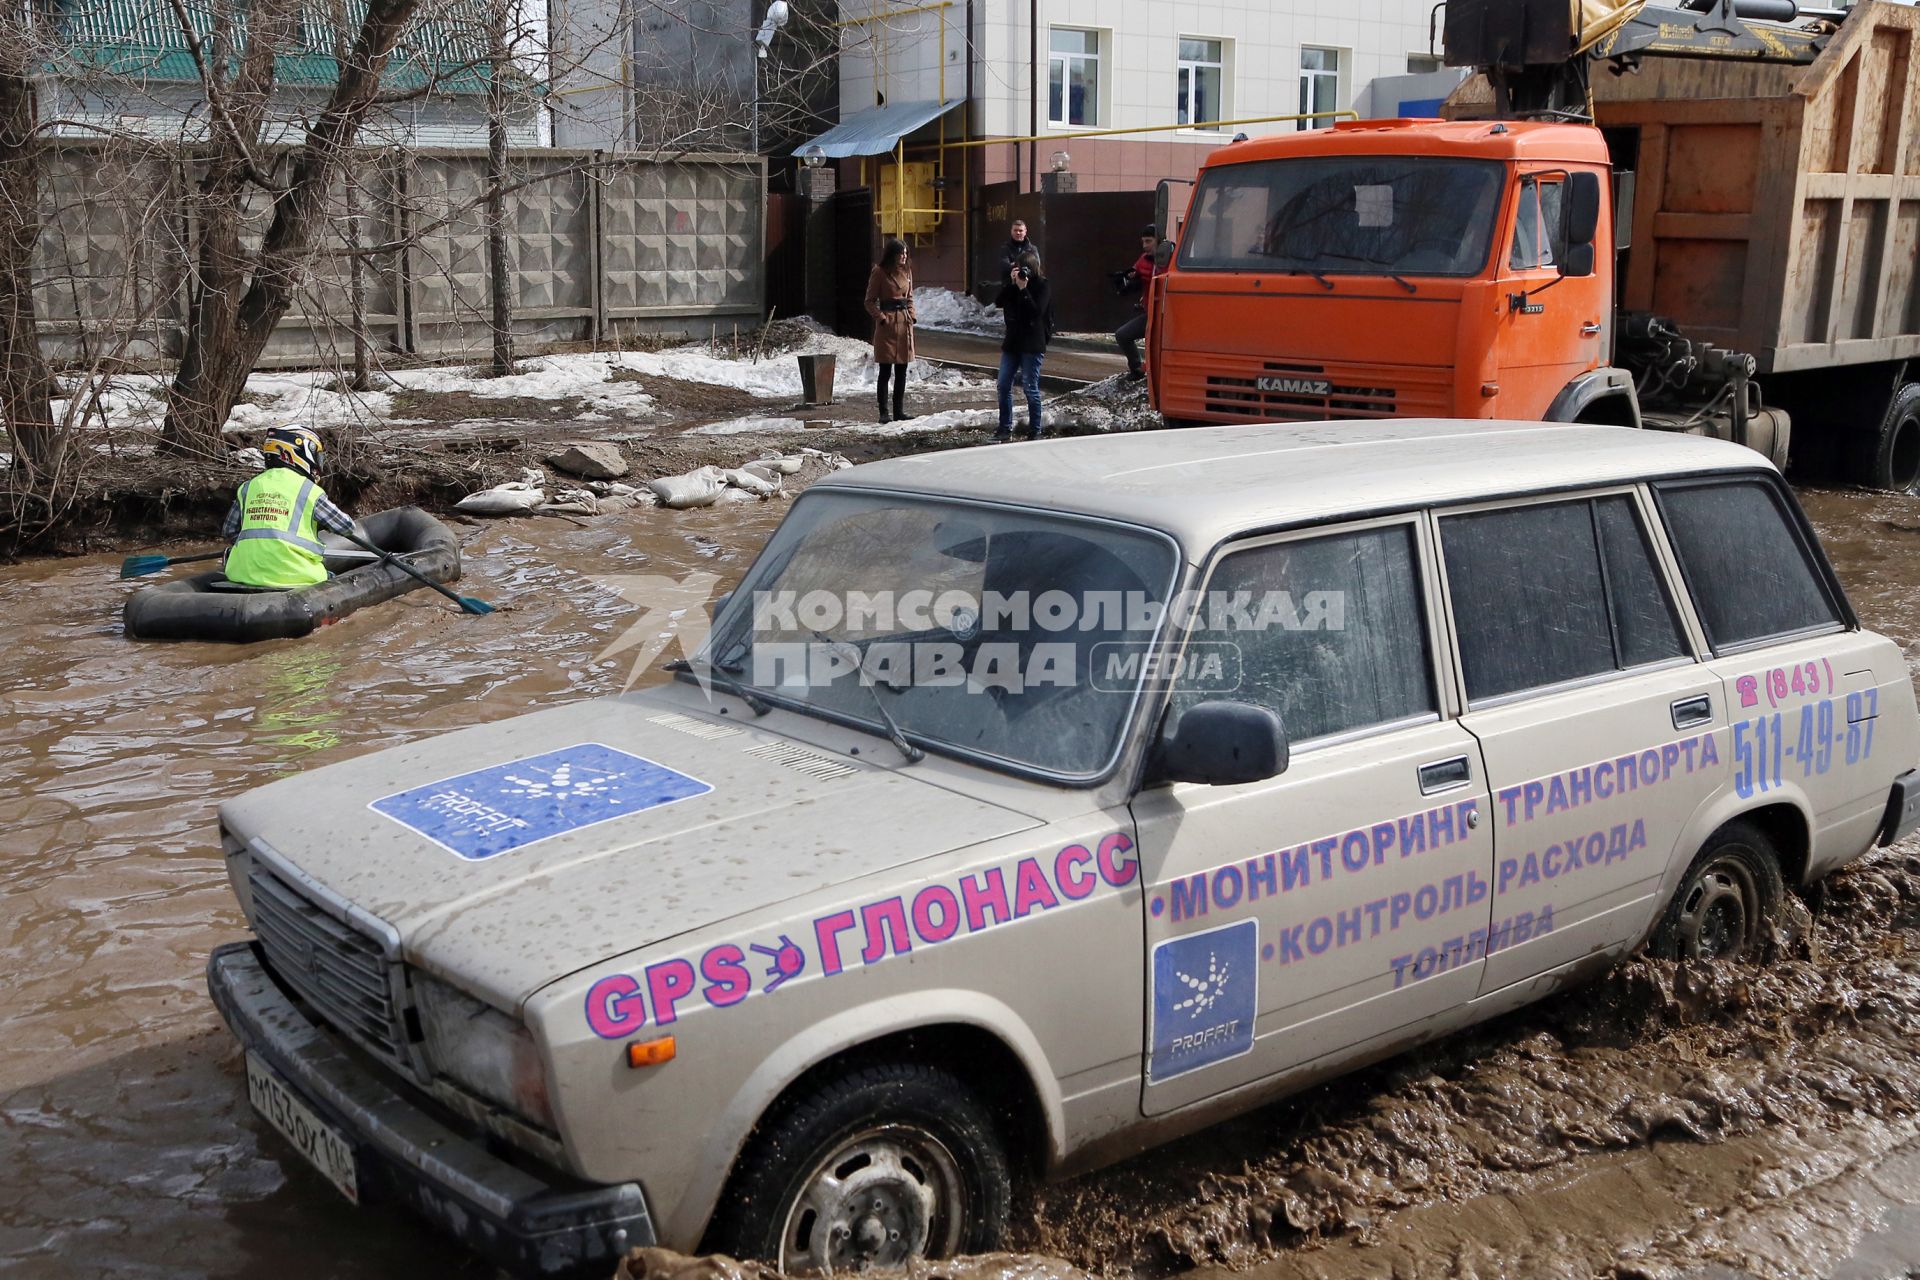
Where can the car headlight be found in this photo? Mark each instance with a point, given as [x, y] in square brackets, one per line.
[483, 1050]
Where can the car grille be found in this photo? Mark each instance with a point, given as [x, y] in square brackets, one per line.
[344, 974]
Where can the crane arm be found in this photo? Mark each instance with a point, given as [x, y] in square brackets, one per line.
[1538, 54]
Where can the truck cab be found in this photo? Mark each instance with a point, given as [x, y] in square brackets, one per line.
[1404, 268]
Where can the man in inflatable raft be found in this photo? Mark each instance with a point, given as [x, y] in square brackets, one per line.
[277, 516]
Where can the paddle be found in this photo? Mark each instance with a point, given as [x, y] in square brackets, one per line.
[467, 603]
[142, 566]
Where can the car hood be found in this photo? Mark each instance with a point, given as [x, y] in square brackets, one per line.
[512, 854]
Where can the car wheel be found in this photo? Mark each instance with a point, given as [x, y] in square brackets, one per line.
[1725, 900]
[889, 1162]
[1889, 457]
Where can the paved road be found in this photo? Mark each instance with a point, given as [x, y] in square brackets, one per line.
[1070, 366]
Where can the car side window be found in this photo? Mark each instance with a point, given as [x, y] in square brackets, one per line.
[1752, 576]
[1643, 612]
[1330, 632]
[1555, 592]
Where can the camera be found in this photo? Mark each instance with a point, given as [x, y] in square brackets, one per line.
[1020, 273]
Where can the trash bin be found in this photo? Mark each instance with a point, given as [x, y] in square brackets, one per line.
[816, 379]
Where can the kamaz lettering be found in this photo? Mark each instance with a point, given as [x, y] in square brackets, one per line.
[1296, 386]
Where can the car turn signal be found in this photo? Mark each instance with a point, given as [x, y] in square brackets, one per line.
[650, 1053]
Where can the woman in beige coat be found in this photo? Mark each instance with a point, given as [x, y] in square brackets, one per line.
[890, 303]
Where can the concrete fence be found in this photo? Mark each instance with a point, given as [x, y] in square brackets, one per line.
[600, 247]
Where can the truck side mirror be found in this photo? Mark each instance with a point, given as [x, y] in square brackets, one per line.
[1582, 208]
[1221, 744]
[719, 605]
[1579, 261]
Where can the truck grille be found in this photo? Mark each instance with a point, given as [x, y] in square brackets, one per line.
[1251, 390]
[343, 973]
[1303, 395]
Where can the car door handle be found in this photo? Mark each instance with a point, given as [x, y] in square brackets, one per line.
[1688, 712]
[1445, 775]
[1591, 329]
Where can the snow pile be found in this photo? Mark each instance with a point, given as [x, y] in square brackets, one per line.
[1118, 403]
[949, 420]
[748, 426]
[587, 376]
[777, 377]
[954, 312]
[301, 399]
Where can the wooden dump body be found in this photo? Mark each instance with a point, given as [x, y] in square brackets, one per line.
[1777, 209]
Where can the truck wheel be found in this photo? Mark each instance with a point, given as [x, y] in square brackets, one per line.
[1730, 891]
[891, 1161]
[1889, 457]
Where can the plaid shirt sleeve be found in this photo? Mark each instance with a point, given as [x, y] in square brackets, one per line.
[329, 516]
[231, 529]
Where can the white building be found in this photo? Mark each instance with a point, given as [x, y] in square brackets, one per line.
[1176, 78]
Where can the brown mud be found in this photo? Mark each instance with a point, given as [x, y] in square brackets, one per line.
[1662, 1121]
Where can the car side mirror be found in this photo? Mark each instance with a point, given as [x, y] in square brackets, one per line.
[1222, 744]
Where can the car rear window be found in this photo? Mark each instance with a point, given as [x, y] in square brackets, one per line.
[1555, 592]
[1749, 569]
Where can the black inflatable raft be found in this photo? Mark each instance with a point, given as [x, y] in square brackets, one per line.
[207, 607]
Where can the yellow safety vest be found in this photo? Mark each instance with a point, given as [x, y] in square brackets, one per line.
[278, 545]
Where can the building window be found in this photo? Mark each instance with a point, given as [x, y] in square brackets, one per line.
[1073, 67]
[1422, 64]
[1203, 82]
[1319, 85]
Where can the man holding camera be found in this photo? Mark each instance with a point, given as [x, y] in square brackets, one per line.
[1137, 279]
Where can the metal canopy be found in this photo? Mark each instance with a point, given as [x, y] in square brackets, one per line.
[876, 130]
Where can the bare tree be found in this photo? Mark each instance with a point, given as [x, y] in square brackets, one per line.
[26, 386]
[238, 296]
[499, 265]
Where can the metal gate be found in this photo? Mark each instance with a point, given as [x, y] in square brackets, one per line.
[855, 249]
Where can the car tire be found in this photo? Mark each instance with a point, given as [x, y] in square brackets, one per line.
[863, 1170]
[1888, 456]
[1725, 901]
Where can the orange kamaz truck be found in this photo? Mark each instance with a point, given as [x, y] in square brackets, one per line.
[1699, 219]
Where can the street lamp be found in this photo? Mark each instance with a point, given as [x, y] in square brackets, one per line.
[777, 15]
[813, 157]
[1062, 162]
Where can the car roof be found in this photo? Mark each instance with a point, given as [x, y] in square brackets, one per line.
[1207, 484]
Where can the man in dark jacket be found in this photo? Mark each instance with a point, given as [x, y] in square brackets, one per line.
[1137, 279]
[1028, 304]
[1017, 243]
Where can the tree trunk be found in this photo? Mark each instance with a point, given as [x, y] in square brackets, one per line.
[26, 388]
[499, 268]
[233, 316]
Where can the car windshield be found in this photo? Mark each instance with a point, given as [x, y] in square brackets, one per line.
[1345, 215]
[1003, 633]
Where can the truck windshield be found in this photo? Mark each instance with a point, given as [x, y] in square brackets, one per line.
[1007, 634]
[1367, 215]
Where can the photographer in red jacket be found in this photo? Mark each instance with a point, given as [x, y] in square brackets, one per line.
[1137, 279]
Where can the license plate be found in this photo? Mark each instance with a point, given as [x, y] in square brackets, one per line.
[323, 1146]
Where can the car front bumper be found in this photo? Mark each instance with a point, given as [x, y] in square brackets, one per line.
[520, 1221]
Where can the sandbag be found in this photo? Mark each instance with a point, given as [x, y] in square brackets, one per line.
[787, 465]
[510, 499]
[700, 488]
[751, 482]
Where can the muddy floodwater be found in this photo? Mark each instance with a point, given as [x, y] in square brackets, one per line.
[1758, 1120]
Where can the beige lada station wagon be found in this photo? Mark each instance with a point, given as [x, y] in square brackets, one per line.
[1027, 807]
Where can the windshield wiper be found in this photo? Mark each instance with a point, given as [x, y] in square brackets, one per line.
[1384, 266]
[725, 683]
[846, 650]
[1305, 271]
